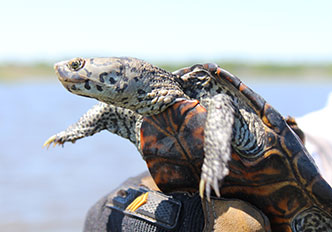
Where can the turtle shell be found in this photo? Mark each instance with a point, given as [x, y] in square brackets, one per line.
[172, 146]
[282, 181]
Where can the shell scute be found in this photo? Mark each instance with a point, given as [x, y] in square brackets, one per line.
[169, 175]
[291, 143]
[269, 170]
[321, 190]
[271, 139]
[306, 168]
[273, 119]
[177, 136]
[224, 75]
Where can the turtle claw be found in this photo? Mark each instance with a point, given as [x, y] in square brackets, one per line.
[205, 186]
[215, 187]
[50, 141]
[201, 188]
[53, 139]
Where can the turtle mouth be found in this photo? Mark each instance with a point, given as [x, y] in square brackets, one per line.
[65, 75]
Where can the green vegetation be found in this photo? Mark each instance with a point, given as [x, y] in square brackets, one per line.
[270, 70]
[44, 71]
[11, 72]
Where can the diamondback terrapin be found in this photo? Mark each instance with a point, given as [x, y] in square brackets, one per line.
[202, 114]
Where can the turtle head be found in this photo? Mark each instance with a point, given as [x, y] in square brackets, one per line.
[125, 82]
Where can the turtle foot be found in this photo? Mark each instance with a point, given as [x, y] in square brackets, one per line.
[55, 140]
[51, 140]
[206, 184]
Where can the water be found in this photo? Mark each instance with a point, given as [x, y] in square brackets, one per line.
[51, 190]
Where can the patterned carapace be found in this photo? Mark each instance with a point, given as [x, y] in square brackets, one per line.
[203, 116]
[172, 146]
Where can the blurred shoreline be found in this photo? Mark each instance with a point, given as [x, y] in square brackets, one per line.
[306, 72]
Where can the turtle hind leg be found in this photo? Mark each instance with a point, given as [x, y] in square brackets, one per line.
[218, 135]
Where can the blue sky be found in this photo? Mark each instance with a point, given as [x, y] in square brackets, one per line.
[257, 30]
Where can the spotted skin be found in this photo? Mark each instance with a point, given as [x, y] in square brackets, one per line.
[100, 117]
[268, 167]
[122, 82]
[312, 220]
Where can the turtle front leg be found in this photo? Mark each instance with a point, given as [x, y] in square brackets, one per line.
[117, 120]
[217, 143]
[90, 123]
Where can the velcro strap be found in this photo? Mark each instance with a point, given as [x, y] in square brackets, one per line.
[160, 209]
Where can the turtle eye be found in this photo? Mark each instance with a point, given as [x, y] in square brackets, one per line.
[76, 64]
